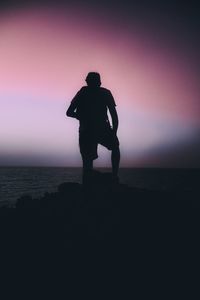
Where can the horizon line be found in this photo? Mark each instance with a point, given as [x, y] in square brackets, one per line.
[125, 167]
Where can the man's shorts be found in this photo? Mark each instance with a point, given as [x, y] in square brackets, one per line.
[89, 140]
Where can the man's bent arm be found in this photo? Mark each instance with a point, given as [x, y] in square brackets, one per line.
[71, 111]
[114, 117]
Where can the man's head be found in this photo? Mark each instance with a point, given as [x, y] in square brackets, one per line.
[93, 79]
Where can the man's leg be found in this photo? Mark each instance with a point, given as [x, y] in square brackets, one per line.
[87, 165]
[89, 155]
[85, 144]
[110, 140]
[87, 170]
[115, 159]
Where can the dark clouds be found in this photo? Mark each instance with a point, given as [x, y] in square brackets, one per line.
[174, 17]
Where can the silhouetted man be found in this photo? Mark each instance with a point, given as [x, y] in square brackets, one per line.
[90, 106]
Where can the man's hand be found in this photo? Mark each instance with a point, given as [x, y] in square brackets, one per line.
[71, 112]
[77, 116]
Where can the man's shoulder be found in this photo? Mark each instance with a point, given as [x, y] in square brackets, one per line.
[84, 88]
[109, 97]
[104, 90]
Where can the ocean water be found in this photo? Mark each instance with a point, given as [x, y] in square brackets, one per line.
[35, 181]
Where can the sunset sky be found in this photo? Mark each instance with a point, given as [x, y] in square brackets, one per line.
[148, 56]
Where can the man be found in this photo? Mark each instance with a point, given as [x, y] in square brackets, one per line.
[90, 107]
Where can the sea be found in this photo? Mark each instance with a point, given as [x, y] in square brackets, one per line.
[35, 181]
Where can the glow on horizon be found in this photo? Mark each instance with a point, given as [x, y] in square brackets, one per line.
[45, 56]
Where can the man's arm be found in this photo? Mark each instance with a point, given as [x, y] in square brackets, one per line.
[71, 112]
[114, 117]
[111, 106]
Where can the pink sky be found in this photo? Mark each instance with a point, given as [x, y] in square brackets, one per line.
[44, 58]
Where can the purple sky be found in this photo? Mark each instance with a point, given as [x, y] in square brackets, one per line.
[45, 54]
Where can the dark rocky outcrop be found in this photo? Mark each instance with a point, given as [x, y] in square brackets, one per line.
[101, 212]
[100, 191]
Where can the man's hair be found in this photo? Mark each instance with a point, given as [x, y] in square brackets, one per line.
[93, 79]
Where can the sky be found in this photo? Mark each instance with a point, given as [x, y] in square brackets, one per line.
[147, 55]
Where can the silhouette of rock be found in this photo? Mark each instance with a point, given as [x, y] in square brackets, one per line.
[4, 204]
[100, 213]
[99, 191]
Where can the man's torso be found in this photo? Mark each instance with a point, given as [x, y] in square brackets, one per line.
[92, 104]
